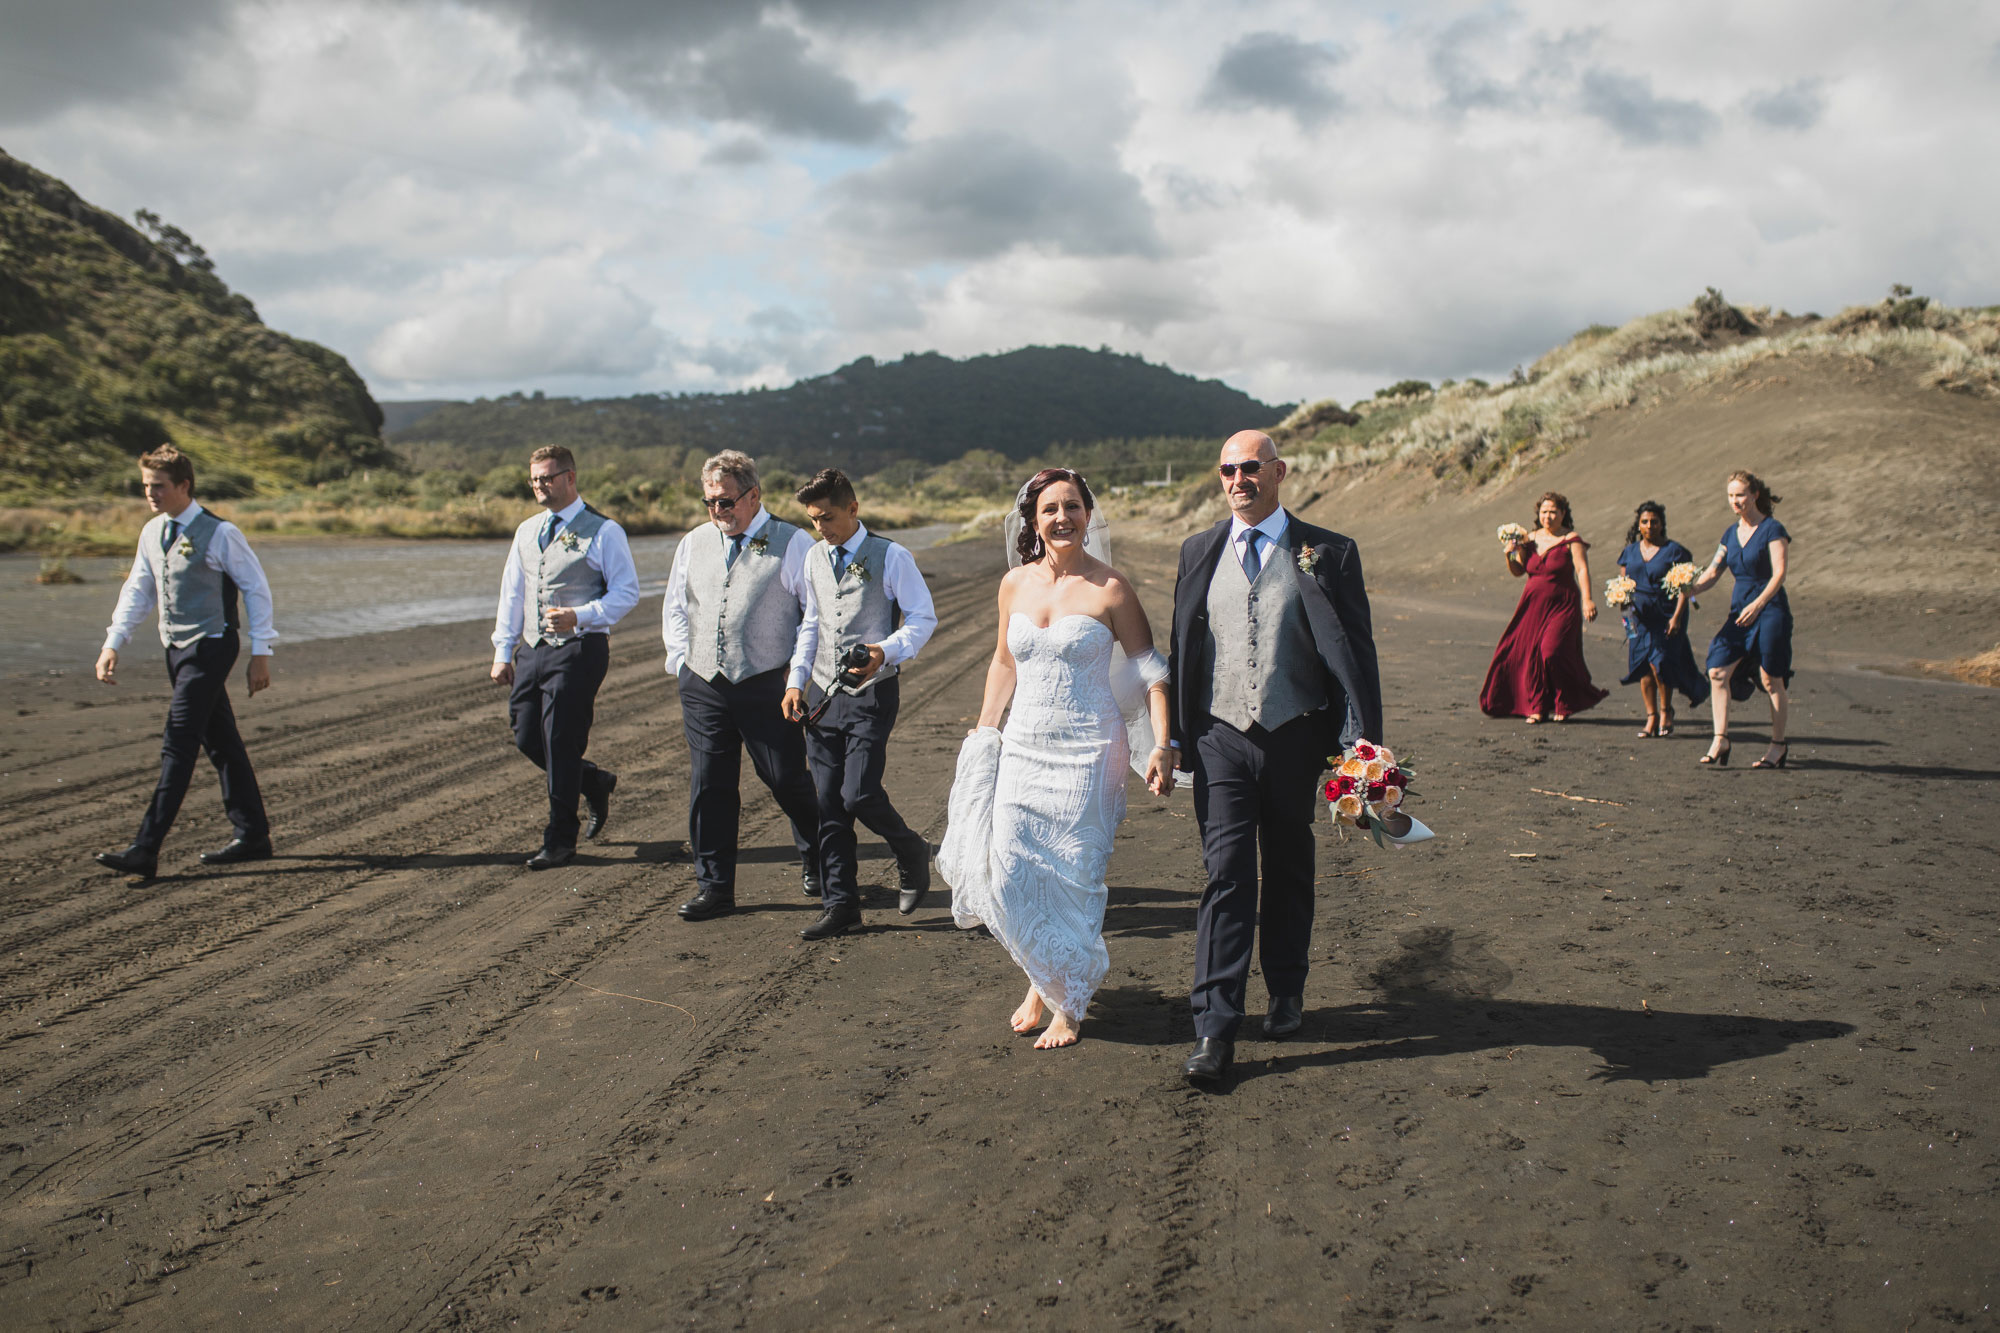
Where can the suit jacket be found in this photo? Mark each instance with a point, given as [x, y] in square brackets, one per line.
[1336, 602]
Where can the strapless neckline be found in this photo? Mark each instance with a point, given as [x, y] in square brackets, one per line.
[1073, 615]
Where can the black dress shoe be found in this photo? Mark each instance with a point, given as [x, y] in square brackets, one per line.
[599, 803]
[708, 903]
[239, 849]
[548, 858]
[1287, 1012]
[810, 881]
[833, 921]
[1210, 1061]
[914, 877]
[143, 862]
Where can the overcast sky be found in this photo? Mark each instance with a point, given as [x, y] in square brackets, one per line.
[1303, 199]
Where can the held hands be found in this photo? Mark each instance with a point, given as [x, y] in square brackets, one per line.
[793, 705]
[257, 676]
[107, 666]
[1160, 770]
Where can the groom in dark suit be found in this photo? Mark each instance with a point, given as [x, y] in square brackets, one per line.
[1273, 671]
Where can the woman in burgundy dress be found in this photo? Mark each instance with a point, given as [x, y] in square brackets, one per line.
[1538, 670]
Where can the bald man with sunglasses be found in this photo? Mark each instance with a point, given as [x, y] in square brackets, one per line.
[1273, 671]
[740, 624]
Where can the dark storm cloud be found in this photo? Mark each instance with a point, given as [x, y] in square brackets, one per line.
[54, 55]
[975, 195]
[1460, 58]
[719, 60]
[1629, 106]
[1273, 71]
[742, 151]
[1796, 106]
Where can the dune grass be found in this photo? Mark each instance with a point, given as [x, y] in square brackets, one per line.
[1478, 433]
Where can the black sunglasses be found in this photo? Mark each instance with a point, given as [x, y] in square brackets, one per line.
[1248, 469]
[724, 503]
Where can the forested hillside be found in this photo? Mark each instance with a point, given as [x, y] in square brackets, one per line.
[923, 408]
[113, 341]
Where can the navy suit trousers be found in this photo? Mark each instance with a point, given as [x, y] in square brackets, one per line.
[723, 720]
[848, 749]
[1255, 791]
[200, 718]
[554, 700]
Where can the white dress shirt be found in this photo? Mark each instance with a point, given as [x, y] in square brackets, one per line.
[673, 610]
[1272, 528]
[610, 554]
[228, 553]
[904, 585]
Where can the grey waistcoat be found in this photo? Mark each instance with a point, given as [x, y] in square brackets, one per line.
[1265, 668]
[741, 620]
[853, 610]
[563, 576]
[196, 602]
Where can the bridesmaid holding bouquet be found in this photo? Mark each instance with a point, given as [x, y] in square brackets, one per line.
[1758, 633]
[1658, 657]
[1538, 670]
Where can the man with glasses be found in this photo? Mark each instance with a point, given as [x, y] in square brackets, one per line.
[193, 564]
[741, 626]
[1273, 671]
[569, 579]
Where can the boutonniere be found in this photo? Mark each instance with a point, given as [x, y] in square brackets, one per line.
[860, 571]
[1308, 558]
[759, 545]
[185, 549]
[570, 541]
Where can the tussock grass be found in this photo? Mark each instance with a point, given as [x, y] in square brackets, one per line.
[1478, 434]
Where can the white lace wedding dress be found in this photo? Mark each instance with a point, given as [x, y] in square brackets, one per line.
[1033, 808]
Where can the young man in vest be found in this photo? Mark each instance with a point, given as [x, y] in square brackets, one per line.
[193, 564]
[740, 629]
[869, 595]
[569, 579]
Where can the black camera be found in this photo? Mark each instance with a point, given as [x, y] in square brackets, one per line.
[854, 662]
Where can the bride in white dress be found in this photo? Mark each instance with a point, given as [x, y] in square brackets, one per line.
[1033, 808]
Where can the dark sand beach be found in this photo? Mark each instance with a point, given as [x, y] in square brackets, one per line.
[1634, 1044]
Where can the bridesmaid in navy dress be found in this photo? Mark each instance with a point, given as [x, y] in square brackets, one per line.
[1658, 656]
[1758, 632]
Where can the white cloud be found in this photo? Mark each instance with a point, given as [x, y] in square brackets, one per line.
[1303, 198]
[557, 317]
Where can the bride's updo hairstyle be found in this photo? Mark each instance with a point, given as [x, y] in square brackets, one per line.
[1766, 501]
[1029, 543]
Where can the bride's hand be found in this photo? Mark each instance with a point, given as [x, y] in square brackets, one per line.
[1160, 771]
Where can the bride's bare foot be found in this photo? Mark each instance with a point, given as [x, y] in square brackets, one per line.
[1061, 1032]
[1029, 1016]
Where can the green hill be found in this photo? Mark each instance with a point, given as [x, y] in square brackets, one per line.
[112, 341]
[925, 408]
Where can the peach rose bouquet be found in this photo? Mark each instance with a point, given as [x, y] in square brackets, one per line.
[1367, 787]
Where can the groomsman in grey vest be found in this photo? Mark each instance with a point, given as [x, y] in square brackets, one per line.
[740, 628]
[568, 580]
[872, 604]
[1273, 671]
[193, 564]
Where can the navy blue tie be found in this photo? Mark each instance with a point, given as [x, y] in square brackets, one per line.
[735, 549]
[548, 531]
[168, 533]
[1252, 562]
[839, 563]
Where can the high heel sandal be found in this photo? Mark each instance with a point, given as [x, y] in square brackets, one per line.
[1779, 762]
[1652, 727]
[1667, 726]
[1720, 758]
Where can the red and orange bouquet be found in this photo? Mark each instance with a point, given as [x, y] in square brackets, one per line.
[1367, 787]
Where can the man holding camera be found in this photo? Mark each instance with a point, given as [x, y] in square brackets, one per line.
[875, 615]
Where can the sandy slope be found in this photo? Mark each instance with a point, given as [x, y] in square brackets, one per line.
[1706, 1049]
